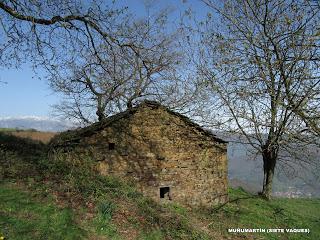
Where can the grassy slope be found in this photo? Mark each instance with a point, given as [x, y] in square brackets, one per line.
[24, 216]
[45, 200]
[253, 212]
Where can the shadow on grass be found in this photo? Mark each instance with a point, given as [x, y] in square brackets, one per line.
[24, 148]
[19, 157]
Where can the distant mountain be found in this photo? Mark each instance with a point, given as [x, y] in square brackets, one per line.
[35, 122]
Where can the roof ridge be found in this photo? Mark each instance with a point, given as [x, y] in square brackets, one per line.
[109, 120]
[181, 116]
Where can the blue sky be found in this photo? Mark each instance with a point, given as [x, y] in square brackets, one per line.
[27, 94]
[24, 94]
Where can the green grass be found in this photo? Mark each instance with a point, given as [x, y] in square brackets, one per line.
[25, 161]
[17, 130]
[24, 217]
[67, 199]
[7, 129]
[154, 235]
[249, 211]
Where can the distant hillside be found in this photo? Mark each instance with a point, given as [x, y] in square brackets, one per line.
[246, 171]
[32, 122]
[44, 137]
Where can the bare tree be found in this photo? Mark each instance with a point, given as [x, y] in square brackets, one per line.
[113, 78]
[45, 31]
[100, 57]
[259, 60]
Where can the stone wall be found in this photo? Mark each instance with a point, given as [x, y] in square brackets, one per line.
[159, 149]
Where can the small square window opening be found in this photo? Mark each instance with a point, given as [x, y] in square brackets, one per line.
[111, 146]
[165, 193]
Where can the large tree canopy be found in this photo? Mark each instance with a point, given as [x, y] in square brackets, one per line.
[260, 60]
[255, 63]
[99, 56]
[47, 29]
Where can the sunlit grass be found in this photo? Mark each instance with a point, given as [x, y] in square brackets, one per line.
[24, 217]
[92, 206]
[249, 211]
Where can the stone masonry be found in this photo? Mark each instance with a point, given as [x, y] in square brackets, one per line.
[169, 157]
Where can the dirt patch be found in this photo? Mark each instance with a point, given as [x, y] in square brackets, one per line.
[123, 218]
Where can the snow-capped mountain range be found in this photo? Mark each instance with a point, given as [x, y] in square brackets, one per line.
[35, 122]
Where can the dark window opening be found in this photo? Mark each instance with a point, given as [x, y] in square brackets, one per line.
[165, 193]
[111, 146]
[161, 158]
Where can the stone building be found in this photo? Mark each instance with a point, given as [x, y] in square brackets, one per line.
[169, 157]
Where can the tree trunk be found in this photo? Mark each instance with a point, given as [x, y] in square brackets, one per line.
[269, 162]
[100, 115]
[100, 109]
